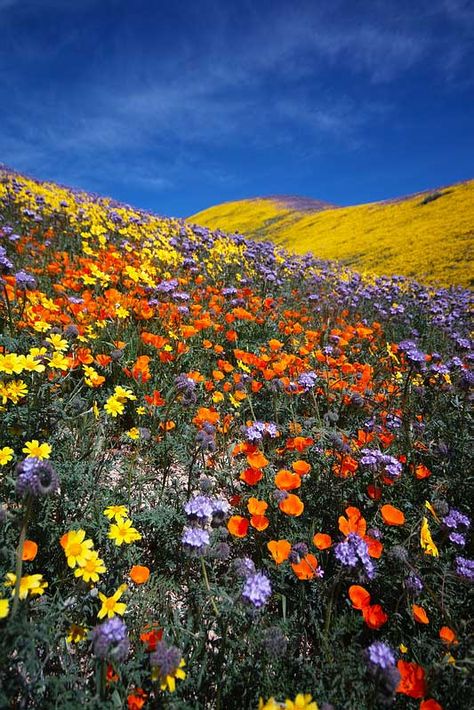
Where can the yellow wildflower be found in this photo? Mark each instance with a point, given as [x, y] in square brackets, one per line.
[57, 342]
[92, 567]
[16, 390]
[59, 362]
[76, 549]
[301, 702]
[32, 584]
[31, 364]
[122, 531]
[133, 433]
[76, 633]
[169, 682]
[6, 455]
[426, 541]
[36, 450]
[4, 607]
[11, 363]
[116, 512]
[114, 407]
[111, 605]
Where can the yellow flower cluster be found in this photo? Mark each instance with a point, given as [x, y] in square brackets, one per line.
[303, 701]
[115, 404]
[425, 236]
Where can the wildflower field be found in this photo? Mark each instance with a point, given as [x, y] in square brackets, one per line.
[435, 228]
[230, 477]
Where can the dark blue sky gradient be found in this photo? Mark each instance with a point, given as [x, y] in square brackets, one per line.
[176, 106]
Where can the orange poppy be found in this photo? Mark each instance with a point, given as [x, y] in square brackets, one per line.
[374, 492]
[430, 704]
[279, 550]
[392, 515]
[151, 637]
[374, 547]
[139, 574]
[374, 616]
[322, 541]
[257, 460]
[238, 526]
[301, 467]
[136, 700]
[292, 505]
[257, 507]
[412, 681]
[448, 636]
[422, 471]
[286, 480]
[305, 568]
[251, 476]
[353, 523]
[419, 614]
[30, 550]
[259, 522]
[359, 596]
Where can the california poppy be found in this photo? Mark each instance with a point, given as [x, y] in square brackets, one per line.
[305, 568]
[419, 614]
[322, 541]
[30, 550]
[391, 515]
[139, 574]
[279, 550]
[287, 480]
[292, 505]
[359, 596]
[238, 526]
[448, 636]
[251, 476]
[412, 681]
[301, 467]
[374, 616]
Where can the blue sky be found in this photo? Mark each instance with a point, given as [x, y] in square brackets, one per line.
[176, 106]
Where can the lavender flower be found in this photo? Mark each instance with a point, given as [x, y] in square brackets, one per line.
[413, 583]
[110, 640]
[196, 540]
[465, 568]
[381, 655]
[244, 567]
[257, 589]
[165, 659]
[36, 477]
[199, 509]
[25, 281]
[353, 551]
[307, 380]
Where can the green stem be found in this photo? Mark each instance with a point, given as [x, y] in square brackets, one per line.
[19, 553]
[206, 582]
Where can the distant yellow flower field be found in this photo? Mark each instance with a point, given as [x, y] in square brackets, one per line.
[428, 236]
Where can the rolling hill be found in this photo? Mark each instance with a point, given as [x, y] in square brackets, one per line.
[426, 235]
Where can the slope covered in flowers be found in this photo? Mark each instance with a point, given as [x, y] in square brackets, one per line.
[428, 236]
[229, 477]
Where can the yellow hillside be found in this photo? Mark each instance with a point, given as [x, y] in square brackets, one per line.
[428, 236]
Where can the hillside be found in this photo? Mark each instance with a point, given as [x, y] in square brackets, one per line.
[428, 236]
[230, 477]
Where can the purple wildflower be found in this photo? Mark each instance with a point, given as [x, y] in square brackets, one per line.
[381, 655]
[110, 640]
[257, 589]
[465, 568]
[196, 540]
[354, 550]
[36, 477]
[199, 509]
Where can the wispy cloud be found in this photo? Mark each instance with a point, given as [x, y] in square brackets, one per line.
[148, 117]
